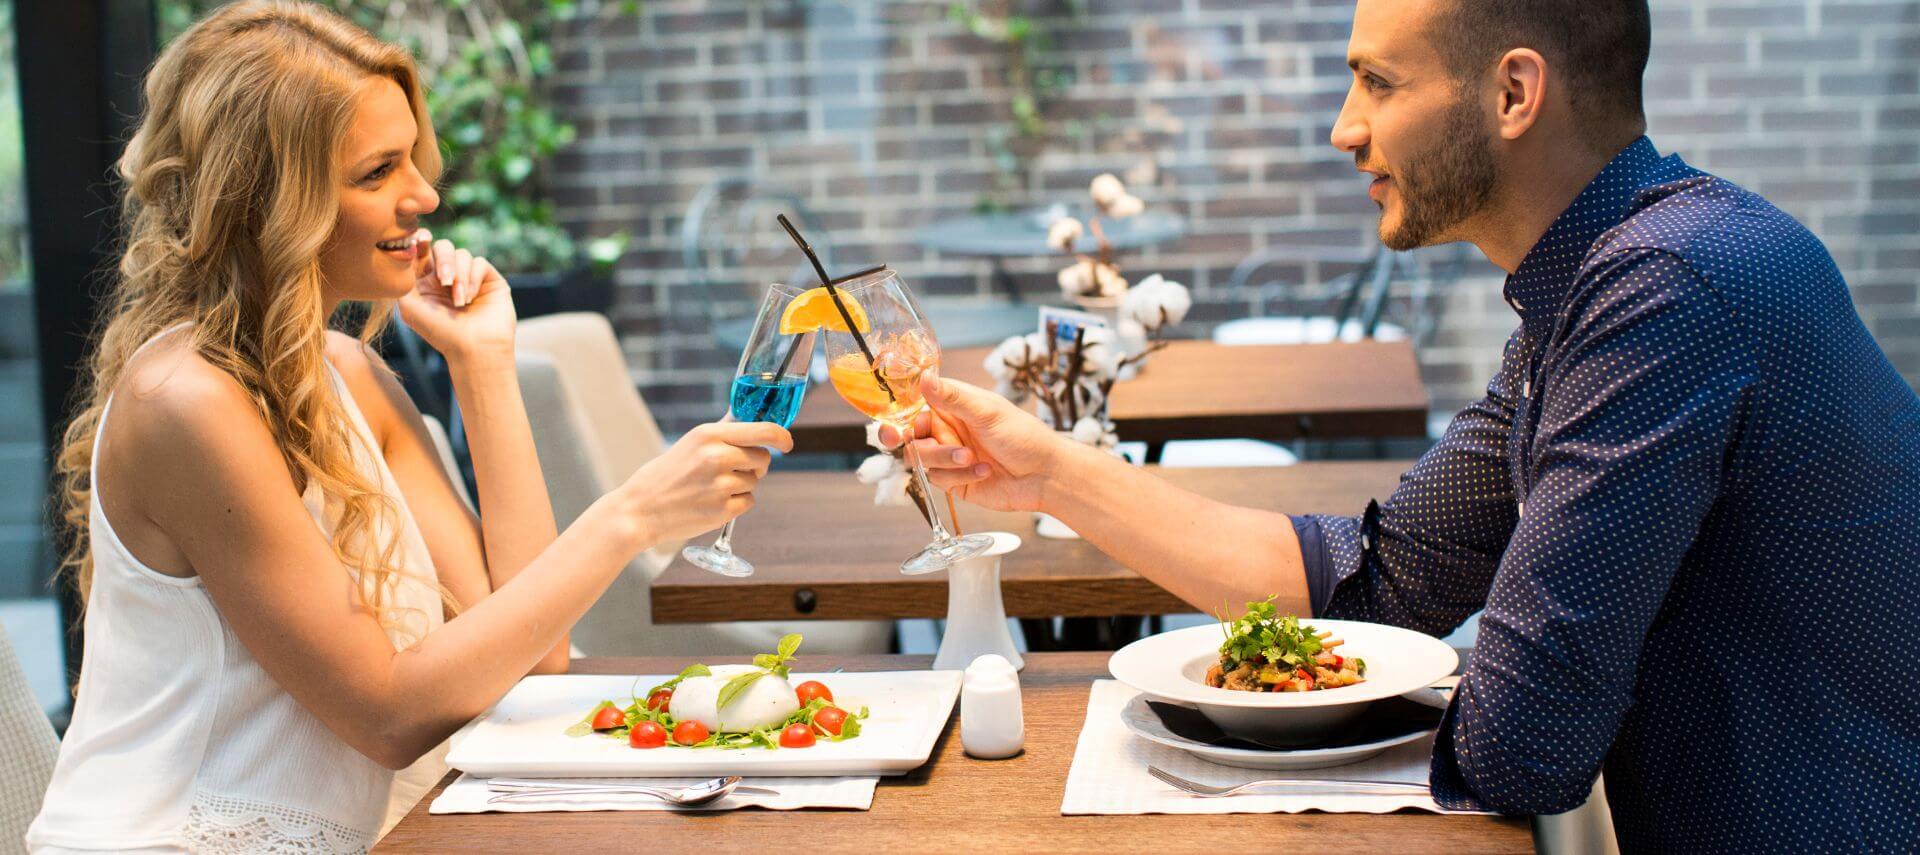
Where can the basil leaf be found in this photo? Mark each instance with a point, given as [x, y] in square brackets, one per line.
[734, 687]
[694, 670]
[766, 660]
[788, 644]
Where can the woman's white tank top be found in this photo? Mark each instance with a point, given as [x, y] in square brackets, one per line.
[180, 741]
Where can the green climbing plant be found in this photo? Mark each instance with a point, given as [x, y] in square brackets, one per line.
[1032, 85]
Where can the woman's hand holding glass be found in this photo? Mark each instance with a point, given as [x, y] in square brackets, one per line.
[701, 483]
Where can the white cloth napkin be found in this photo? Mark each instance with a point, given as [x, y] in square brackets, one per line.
[1109, 773]
[469, 794]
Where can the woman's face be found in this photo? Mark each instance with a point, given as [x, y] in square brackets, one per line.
[371, 255]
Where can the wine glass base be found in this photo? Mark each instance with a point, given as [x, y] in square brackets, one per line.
[940, 556]
[714, 560]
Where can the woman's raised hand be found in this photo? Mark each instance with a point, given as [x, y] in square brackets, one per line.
[704, 480]
[460, 304]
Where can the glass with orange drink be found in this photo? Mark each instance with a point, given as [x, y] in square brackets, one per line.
[878, 346]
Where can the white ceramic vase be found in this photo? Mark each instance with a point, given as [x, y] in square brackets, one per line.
[976, 615]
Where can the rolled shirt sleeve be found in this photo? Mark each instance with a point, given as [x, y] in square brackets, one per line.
[1425, 557]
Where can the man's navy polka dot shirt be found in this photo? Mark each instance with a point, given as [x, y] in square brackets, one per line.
[1690, 505]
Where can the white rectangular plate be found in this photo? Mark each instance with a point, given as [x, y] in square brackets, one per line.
[525, 733]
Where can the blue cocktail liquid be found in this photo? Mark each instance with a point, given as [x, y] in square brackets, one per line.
[764, 398]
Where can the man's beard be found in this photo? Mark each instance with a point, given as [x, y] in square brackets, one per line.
[1444, 186]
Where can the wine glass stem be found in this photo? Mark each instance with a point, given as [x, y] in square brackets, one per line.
[940, 534]
[725, 543]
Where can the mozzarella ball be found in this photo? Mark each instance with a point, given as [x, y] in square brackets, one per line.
[765, 703]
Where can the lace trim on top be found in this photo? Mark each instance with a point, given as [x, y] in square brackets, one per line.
[223, 824]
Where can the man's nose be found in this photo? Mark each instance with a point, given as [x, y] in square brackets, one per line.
[1350, 131]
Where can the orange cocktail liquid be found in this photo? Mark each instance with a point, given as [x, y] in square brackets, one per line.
[853, 378]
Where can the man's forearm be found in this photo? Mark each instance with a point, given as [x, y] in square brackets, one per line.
[1208, 553]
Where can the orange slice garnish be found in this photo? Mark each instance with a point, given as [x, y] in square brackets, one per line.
[815, 310]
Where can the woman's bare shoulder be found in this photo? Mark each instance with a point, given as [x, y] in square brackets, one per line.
[171, 400]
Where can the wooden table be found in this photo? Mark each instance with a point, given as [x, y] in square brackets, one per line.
[822, 551]
[1202, 390]
[954, 803]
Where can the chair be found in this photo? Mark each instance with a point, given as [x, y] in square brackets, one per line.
[1364, 292]
[592, 431]
[443, 447]
[27, 750]
[730, 241]
[1585, 830]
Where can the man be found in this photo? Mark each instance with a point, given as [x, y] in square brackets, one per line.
[1689, 501]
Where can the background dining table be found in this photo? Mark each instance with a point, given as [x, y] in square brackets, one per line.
[953, 803]
[1202, 390]
[822, 551]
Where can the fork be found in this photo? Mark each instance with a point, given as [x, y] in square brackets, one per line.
[508, 789]
[1211, 792]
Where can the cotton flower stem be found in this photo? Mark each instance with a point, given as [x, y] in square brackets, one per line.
[1100, 236]
[1073, 375]
[1157, 346]
[914, 492]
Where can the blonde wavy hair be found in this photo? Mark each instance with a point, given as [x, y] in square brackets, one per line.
[231, 191]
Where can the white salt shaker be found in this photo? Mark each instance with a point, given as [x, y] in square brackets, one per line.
[992, 726]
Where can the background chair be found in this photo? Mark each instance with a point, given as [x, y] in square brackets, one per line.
[443, 446]
[27, 750]
[593, 431]
[1342, 294]
[731, 244]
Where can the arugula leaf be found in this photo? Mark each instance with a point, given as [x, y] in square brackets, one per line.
[734, 687]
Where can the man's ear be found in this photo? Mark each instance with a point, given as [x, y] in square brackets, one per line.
[1522, 76]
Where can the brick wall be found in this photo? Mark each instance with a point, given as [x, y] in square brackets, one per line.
[880, 115]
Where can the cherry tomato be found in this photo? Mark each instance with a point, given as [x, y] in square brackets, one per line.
[608, 718]
[689, 732]
[647, 734]
[831, 719]
[797, 736]
[811, 689]
[659, 700]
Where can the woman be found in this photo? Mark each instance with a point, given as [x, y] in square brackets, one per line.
[271, 551]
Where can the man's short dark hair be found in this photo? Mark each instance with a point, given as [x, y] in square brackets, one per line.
[1599, 46]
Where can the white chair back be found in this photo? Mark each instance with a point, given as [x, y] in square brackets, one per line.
[27, 750]
[443, 447]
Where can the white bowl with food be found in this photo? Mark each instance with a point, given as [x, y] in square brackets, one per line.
[1281, 681]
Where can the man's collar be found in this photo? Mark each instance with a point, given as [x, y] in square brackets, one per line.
[1538, 287]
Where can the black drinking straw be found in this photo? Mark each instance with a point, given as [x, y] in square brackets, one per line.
[828, 282]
